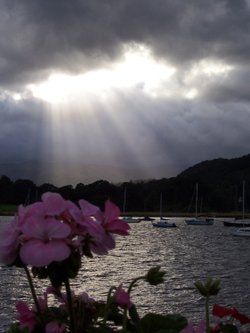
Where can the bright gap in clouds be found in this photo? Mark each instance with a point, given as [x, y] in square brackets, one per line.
[137, 68]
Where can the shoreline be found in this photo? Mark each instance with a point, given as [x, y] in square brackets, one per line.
[165, 214]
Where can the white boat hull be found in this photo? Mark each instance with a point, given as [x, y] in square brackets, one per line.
[199, 221]
[163, 224]
[240, 223]
[131, 219]
[241, 232]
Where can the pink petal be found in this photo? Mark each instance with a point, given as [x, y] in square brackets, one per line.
[111, 211]
[54, 203]
[40, 228]
[118, 227]
[122, 298]
[201, 327]
[22, 308]
[38, 254]
[88, 209]
[188, 329]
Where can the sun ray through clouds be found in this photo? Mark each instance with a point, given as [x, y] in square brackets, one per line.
[94, 117]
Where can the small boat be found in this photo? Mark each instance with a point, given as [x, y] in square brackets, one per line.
[163, 224]
[147, 218]
[198, 220]
[126, 218]
[131, 219]
[243, 222]
[240, 223]
[241, 232]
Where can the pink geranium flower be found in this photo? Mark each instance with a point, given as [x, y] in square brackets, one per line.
[26, 317]
[190, 328]
[54, 204]
[221, 312]
[90, 231]
[122, 298]
[89, 210]
[111, 221]
[45, 241]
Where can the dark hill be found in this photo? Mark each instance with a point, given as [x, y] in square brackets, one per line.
[221, 181]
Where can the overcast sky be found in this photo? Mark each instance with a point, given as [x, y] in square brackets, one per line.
[121, 89]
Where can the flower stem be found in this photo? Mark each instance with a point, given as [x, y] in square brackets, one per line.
[109, 299]
[124, 320]
[33, 292]
[70, 306]
[207, 314]
[134, 282]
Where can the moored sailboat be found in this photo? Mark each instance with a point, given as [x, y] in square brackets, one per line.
[197, 220]
[128, 219]
[243, 222]
[163, 222]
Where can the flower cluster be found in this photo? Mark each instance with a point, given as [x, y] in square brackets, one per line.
[48, 240]
[54, 229]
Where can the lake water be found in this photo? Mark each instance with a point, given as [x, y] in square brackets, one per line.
[186, 253]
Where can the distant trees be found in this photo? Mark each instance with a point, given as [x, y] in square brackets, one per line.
[220, 188]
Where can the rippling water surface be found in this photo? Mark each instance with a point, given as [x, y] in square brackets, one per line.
[186, 253]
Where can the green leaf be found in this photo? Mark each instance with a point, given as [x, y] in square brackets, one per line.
[15, 328]
[156, 323]
[155, 276]
[58, 272]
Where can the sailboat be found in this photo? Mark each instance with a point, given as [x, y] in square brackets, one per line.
[163, 222]
[198, 220]
[243, 222]
[128, 219]
[241, 232]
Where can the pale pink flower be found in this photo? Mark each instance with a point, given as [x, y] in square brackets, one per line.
[26, 317]
[25, 212]
[89, 209]
[190, 328]
[54, 204]
[44, 241]
[54, 327]
[122, 298]
[111, 221]
[90, 230]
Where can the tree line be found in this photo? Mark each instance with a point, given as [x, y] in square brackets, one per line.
[220, 190]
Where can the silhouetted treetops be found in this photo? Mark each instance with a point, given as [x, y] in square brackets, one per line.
[220, 189]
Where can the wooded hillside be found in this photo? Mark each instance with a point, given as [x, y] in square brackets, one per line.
[220, 189]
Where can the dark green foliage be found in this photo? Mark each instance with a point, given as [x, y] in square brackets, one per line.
[156, 323]
[15, 328]
[59, 272]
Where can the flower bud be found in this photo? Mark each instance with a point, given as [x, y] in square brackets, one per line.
[155, 276]
[210, 288]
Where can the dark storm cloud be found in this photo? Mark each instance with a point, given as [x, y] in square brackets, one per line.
[37, 36]
[161, 135]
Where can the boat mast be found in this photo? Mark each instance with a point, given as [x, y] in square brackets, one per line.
[196, 199]
[161, 205]
[124, 199]
[243, 199]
